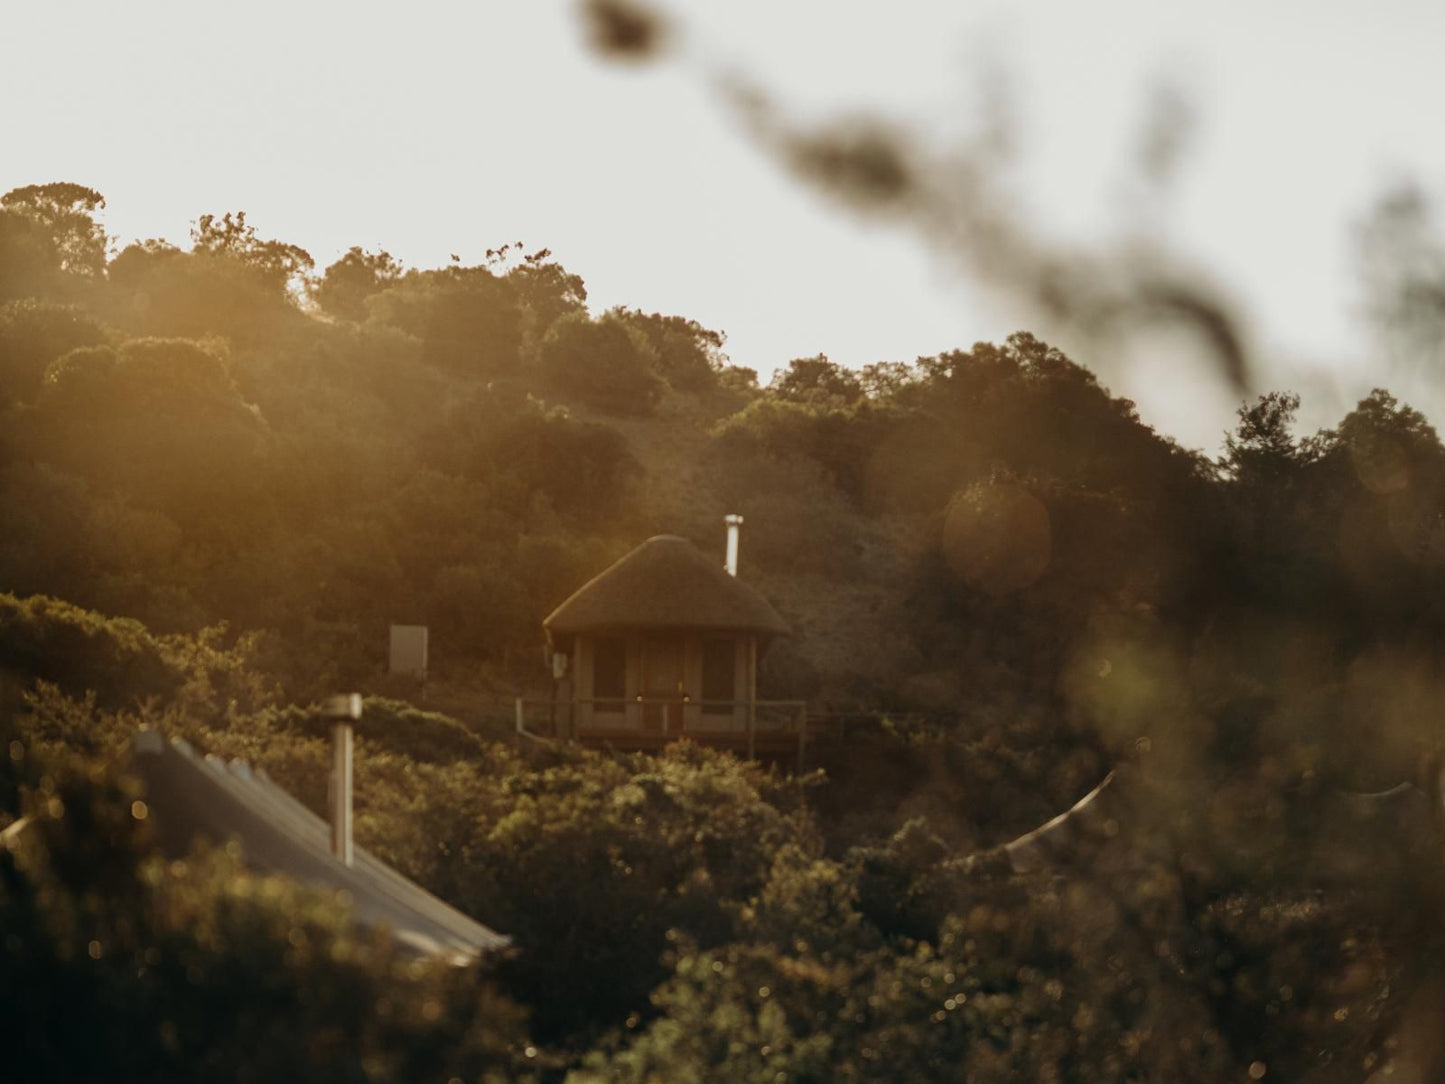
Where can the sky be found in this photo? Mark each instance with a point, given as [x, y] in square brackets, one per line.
[432, 129]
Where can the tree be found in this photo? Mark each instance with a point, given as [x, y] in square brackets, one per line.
[32, 335]
[604, 364]
[344, 286]
[162, 419]
[547, 289]
[689, 356]
[275, 263]
[65, 215]
[818, 380]
[27, 259]
[469, 320]
[1262, 445]
[887, 381]
[133, 264]
[223, 288]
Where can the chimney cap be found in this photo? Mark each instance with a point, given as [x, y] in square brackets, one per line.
[342, 706]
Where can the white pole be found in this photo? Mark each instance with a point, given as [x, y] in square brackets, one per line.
[341, 792]
[734, 521]
[341, 710]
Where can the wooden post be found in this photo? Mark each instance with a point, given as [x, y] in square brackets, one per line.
[752, 727]
[521, 718]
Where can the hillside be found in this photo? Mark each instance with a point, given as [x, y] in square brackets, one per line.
[224, 474]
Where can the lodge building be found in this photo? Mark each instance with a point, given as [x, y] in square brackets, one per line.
[665, 644]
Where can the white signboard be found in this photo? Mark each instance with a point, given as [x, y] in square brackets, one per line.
[408, 650]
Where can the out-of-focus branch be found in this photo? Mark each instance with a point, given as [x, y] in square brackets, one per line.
[957, 202]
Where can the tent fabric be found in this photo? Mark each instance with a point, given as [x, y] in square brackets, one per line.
[665, 583]
[194, 798]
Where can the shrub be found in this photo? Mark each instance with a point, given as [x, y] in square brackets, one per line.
[589, 863]
[120, 966]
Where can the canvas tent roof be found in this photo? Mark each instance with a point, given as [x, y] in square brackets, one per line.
[665, 583]
[192, 797]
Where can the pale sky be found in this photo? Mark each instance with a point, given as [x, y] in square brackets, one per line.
[437, 128]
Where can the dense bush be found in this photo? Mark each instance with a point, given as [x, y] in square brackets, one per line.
[589, 863]
[121, 966]
[81, 651]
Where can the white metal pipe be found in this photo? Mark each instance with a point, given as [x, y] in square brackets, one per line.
[341, 710]
[341, 791]
[734, 522]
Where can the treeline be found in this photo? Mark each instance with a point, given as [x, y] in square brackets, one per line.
[224, 472]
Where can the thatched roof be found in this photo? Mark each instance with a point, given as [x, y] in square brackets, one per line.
[665, 583]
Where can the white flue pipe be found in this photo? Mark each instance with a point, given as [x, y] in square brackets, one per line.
[341, 710]
[341, 792]
[734, 522]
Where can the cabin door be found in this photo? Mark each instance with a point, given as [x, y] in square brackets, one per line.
[662, 684]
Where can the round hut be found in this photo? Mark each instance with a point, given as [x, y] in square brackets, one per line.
[665, 642]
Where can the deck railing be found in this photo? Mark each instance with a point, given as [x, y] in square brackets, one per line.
[676, 717]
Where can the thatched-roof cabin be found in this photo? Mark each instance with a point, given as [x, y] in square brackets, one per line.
[664, 643]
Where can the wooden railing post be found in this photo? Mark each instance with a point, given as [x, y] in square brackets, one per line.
[521, 720]
[752, 728]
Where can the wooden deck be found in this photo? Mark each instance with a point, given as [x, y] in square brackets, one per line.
[776, 731]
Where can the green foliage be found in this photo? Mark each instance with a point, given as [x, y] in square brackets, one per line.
[345, 285]
[391, 726]
[524, 451]
[817, 380]
[470, 321]
[27, 259]
[274, 263]
[162, 291]
[607, 365]
[84, 652]
[1012, 581]
[841, 439]
[32, 335]
[688, 355]
[587, 865]
[120, 966]
[116, 662]
[232, 283]
[64, 215]
[161, 419]
[547, 289]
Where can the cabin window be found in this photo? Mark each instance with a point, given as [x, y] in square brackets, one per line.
[719, 676]
[609, 672]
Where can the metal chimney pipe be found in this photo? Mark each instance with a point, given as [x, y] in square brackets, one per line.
[734, 522]
[341, 710]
